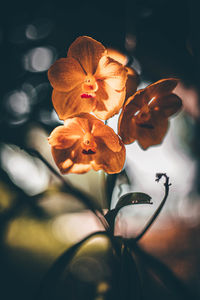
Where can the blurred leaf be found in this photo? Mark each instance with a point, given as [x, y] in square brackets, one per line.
[49, 284]
[130, 281]
[157, 279]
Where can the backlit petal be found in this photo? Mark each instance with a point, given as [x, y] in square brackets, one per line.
[118, 56]
[132, 106]
[70, 103]
[68, 164]
[87, 51]
[63, 137]
[107, 160]
[154, 134]
[161, 88]
[126, 125]
[112, 72]
[107, 135]
[108, 101]
[156, 90]
[65, 74]
[169, 104]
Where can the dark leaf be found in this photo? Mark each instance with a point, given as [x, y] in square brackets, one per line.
[133, 198]
[158, 280]
[127, 199]
[49, 284]
[130, 281]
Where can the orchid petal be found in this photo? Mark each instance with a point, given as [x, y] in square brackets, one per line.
[152, 135]
[108, 101]
[65, 74]
[169, 104]
[107, 135]
[112, 72]
[63, 137]
[68, 104]
[87, 52]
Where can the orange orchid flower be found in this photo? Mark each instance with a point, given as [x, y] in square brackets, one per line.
[145, 115]
[85, 143]
[87, 80]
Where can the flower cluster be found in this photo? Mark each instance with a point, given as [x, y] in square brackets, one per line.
[91, 84]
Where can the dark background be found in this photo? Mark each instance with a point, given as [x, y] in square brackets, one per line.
[163, 36]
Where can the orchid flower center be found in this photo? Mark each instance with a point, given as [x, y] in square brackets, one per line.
[89, 87]
[88, 144]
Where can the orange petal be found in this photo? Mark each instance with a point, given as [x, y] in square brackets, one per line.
[87, 51]
[66, 163]
[118, 56]
[108, 101]
[156, 90]
[126, 125]
[63, 137]
[72, 160]
[68, 104]
[133, 105]
[169, 104]
[65, 74]
[80, 168]
[107, 135]
[161, 88]
[112, 72]
[107, 160]
[149, 136]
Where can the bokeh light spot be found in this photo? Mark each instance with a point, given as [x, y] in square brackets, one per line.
[39, 29]
[26, 172]
[66, 227]
[39, 59]
[17, 102]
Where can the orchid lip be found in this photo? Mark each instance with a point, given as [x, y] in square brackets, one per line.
[146, 125]
[88, 144]
[89, 151]
[89, 86]
[84, 95]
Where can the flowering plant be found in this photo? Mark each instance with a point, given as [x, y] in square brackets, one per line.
[90, 86]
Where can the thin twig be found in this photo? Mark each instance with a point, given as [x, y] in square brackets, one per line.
[155, 215]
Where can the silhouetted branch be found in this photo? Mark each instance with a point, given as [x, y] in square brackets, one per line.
[155, 215]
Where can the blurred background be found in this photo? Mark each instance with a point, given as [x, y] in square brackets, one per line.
[38, 218]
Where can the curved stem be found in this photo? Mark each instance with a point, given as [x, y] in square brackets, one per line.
[155, 215]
